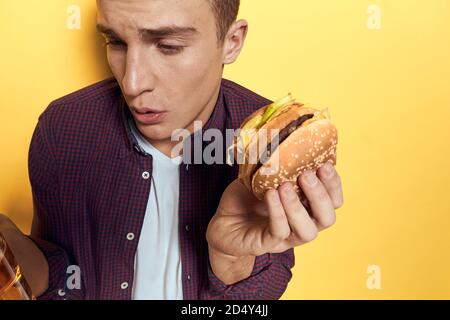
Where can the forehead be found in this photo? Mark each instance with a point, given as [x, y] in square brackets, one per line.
[141, 14]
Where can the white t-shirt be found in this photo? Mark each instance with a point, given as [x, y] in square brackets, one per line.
[158, 273]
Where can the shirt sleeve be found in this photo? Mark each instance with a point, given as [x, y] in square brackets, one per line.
[42, 172]
[268, 280]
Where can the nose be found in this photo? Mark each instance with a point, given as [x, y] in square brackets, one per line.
[138, 77]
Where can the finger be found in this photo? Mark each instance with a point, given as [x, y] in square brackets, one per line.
[299, 220]
[278, 223]
[332, 182]
[302, 197]
[320, 202]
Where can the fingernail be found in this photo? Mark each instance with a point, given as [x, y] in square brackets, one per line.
[310, 178]
[275, 197]
[328, 168]
[289, 191]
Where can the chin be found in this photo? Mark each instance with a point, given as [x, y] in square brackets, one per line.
[155, 132]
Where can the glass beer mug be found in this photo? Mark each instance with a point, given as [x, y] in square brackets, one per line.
[13, 285]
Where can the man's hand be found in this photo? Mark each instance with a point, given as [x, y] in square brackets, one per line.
[244, 227]
[31, 260]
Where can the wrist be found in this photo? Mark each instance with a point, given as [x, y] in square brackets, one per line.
[230, 269]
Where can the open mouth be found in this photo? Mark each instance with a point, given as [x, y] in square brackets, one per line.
[147, 112]
[148, 117]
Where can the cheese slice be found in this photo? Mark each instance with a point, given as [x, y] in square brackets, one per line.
[322, 114]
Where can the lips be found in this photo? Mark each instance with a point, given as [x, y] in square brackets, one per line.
[146, 110]
[148, 116]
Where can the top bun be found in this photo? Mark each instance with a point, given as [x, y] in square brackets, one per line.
[307, 148]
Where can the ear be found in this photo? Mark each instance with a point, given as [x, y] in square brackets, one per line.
[234, 41]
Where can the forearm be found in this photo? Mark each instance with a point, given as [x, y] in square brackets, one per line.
[31, 260]
[230, 269]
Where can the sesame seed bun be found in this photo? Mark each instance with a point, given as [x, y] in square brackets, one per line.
[306, 148]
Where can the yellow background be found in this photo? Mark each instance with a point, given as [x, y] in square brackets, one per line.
[388, 91]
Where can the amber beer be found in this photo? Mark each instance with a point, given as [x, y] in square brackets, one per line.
[13, 285]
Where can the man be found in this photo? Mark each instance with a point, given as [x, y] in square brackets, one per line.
[112, 205]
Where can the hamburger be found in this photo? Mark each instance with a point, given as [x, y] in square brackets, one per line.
[279, 142]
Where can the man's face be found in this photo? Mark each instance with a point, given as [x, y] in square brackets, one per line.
[166, 57]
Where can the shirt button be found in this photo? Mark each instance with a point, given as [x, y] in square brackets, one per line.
[124, 285]
[130, 236]
[187, 227]
[145, 175]
[61, 293]
[189, 276]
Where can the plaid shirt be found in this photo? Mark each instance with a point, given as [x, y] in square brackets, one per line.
[91, 180]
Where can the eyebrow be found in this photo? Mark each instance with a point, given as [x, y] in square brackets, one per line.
[158, 33]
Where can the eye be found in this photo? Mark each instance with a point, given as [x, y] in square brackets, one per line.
[170, 49]
[114, 44]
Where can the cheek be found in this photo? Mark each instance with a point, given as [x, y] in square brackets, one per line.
[189, 70]
[197, 63]
[193, 76]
